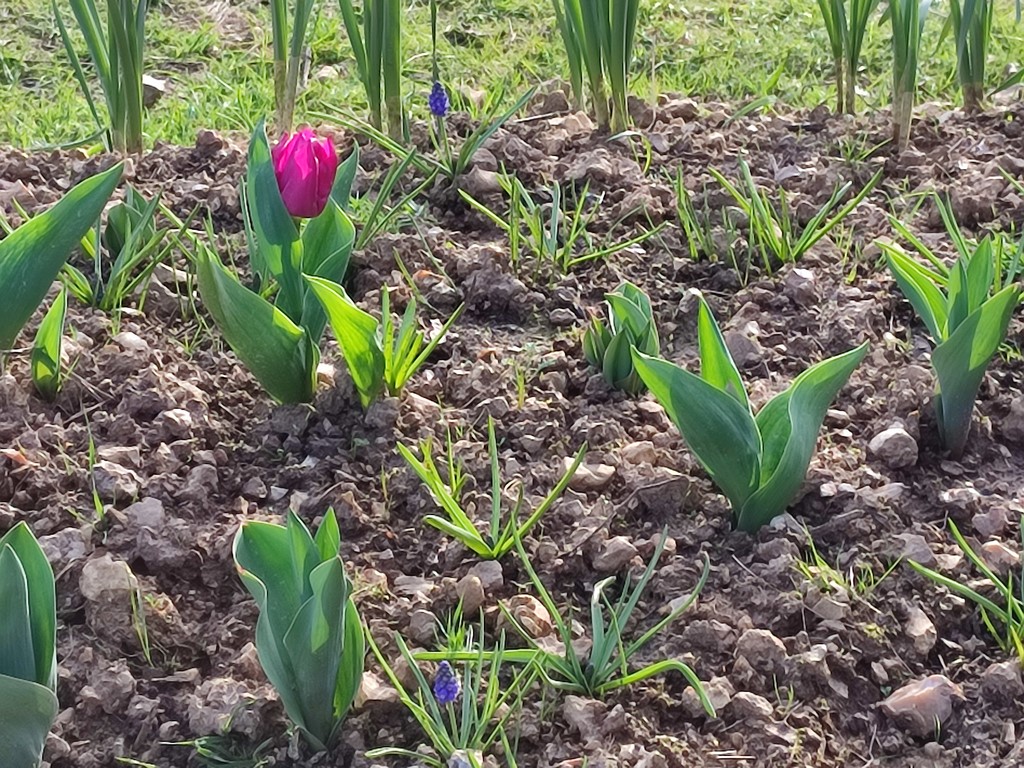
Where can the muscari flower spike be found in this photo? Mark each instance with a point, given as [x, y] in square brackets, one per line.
[446, 684]
[438, 100]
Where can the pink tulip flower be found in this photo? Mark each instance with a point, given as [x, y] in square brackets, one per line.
[305, 168]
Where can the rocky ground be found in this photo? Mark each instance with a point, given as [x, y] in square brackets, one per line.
[187, 446]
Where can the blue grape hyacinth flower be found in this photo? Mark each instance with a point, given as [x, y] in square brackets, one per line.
[438, 100]
[446, 684]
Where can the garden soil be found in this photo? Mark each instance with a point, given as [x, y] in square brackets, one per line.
[137, 477]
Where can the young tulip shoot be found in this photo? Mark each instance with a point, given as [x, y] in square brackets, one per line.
[907, 19]
[758, 461]
[309, 636]
[305, 168]
[630, 326]
[967, 318]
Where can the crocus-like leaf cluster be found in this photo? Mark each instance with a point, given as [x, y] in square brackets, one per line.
[630, 326]
[967, 317]
[309, 636]
[28, 643]
[278, 339]
[758, 461]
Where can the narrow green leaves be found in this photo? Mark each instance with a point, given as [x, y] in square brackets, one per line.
[308, 636]
[758, 463]
[32, 255]
[377, 49]
[28, 636]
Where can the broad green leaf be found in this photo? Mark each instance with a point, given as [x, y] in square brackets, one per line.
[350, 674]
[328, 536]
[17, 656]
[716, 427]
[314, 645]
[789, 427]
[960, 363]
[278, 246]
[627, 315]
[27, 711]
[919, 287]
[618, 362]
[277, 351]
[716, 364]
[32, 255]
[326, 247]
[47, 346]
[357, 335]
[595, 340]
[42, 600]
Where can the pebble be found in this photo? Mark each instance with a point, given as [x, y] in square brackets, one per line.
[531, 615]
[489, 573]
[762, 650]
[747, 705]
[801, 287]
[614, 555]
[921, 631]
[923, 706]
[895, 447]
[990, 523]
[641, 452]
[115, 483]
[916, 548]
[562, 318]
[719, 691]
[999, 557]
[584, 715]
[1002, 680]
[471, 592]
[104, 578]
[590, 477]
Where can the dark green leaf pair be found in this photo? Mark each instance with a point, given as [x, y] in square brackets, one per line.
[379, 357]
[630, 326]
[308, 636]
[759, 462]
[967, 318]
[46, 372]
[28, 655]
[32, 255]
[279, 341]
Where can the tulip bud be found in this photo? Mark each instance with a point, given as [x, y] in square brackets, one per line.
[305, 168]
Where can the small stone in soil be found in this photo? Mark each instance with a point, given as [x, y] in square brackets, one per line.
[916, 548]
[895, 447]
[1002, 680]
[921, 631]
[763, 650]
[614, 555]
[584, 715]
[923, 706]
[590, 477]
[471, 593]
[747, 705]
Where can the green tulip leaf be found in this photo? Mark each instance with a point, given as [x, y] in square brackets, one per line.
[42, 602]
[919, 286]
[27, 712]
[789, 425]
[341, 192]
[358, 336]
[716, 364]
[326, 247]
[278, 251]
[960, 363]
[718, 429]
[47, 347]
[32, 255]
[279, 353]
